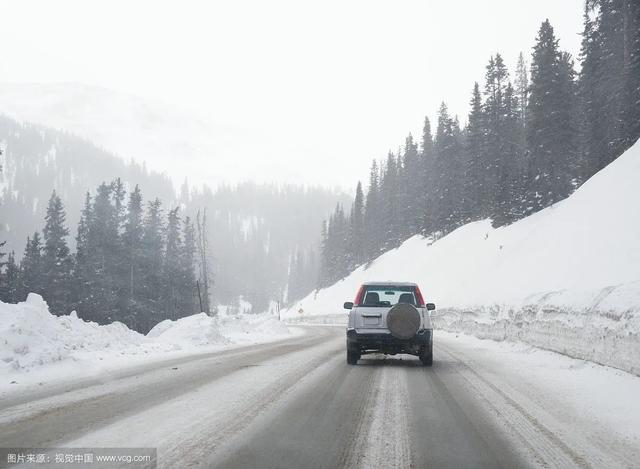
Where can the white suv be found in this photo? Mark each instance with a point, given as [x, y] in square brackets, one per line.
[389, 318]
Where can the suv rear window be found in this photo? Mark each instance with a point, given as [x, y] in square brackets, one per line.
[387, 295]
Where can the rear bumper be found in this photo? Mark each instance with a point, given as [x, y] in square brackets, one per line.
[386, 343]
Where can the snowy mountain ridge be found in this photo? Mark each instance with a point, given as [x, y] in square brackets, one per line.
[164, 138]
[182, 142]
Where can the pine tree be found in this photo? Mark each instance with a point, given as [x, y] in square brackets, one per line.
[389, 204]
[410, 174]
[610, 102]
[477, 169]
[551, 131]
[521, 102]
[187, 290]
[522, 88]
[119, 195]
[119, 261]
[372, 215]
[427, 157]
[82, 278]
[102, 245]
[31, 267]
[11, 278]
[357, 234]
[593, 125]
[324, 272]
[204, 281]
[341, 240]
[569, 175]
[510, 182]
[449, 172]
[171, 265]
[338, 243]
[133, 293]
[152, 260]
[335, 247]
[458, 176]
[496, 152]
[56, 261]
[612, 45]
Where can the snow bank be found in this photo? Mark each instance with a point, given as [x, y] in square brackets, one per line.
[580, 257]
[201, 330]
[193, 331]
[32, 340]
[601, 326]
[30, 336]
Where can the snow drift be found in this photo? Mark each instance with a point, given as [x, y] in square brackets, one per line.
[566, 278]
[32, 339]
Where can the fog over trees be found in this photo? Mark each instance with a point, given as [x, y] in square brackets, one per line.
[530, 140]
[99, 247]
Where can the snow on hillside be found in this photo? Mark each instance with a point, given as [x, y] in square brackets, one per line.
[574, 261]
[38, 346]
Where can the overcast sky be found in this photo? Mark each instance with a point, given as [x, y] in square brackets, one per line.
[326, 85]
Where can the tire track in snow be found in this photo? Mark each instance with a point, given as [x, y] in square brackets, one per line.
[322, 422]
[355, 449]
[198, 442]
[545, 447]
[387, 439]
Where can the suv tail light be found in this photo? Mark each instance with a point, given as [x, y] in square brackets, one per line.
[359, 296]
[419, 298]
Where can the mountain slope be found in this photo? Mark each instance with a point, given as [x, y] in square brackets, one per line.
[36, 160]
[166, 139]
[587, 241]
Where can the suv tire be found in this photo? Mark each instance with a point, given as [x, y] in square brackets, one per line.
[352, 357]
[426, 357]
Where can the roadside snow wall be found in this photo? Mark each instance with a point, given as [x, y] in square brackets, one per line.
[602, 326]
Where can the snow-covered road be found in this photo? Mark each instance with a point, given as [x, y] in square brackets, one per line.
[296, 403]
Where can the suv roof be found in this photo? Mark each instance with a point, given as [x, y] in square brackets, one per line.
[399, 284]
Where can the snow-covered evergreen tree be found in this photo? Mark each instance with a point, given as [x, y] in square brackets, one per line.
[56, 259]
[31, 272]
[551, 129]
[357, 232]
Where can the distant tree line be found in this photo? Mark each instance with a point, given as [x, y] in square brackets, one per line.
[132, 263]
[264, 240]
[527, 143]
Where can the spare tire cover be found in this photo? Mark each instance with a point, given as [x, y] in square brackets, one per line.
[403, 321]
